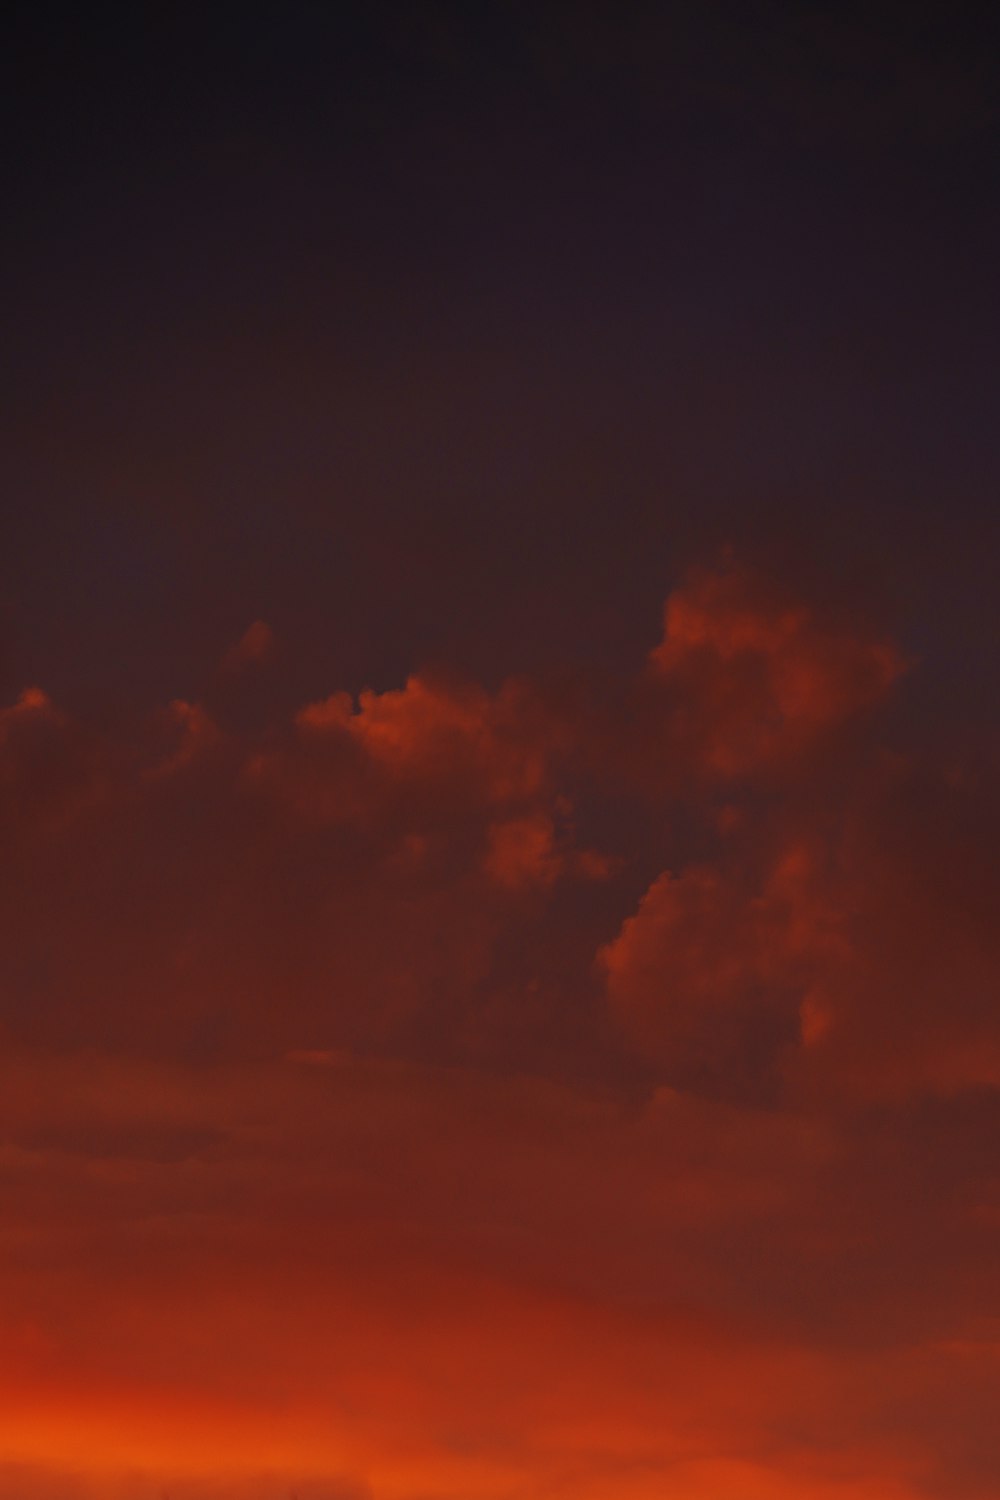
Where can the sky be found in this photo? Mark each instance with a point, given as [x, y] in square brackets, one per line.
[499, 958]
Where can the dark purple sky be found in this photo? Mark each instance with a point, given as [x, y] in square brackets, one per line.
[375, 319]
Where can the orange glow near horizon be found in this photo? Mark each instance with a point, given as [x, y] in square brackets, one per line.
[499, 770]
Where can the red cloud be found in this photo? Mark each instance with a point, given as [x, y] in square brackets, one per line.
[430, 730]
[754, 681]
[719, 972]
[857, 957]
[330, 1150]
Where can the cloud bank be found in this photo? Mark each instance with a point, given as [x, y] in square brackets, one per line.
[524, 1090]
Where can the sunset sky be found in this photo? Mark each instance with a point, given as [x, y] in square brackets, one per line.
[499, 898]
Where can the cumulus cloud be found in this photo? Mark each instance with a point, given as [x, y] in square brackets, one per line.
[756, 680]
[718, 973]
[445, 1084]
[432, 731]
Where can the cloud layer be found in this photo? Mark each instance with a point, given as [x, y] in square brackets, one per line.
[527, 1090]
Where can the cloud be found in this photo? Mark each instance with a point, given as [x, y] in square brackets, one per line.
[721, 970]
[433, 730]
[755, 681]
[344, 881]
[816, 950]
[494, 1090]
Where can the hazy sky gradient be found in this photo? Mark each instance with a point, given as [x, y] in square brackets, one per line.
[498, 786]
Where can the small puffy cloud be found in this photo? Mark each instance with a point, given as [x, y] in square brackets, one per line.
[430, 755]
[754, 681]
[432, 730]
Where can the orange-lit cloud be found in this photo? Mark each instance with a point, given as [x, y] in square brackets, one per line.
[756, 679]
[456, 1092]
[719, 974]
